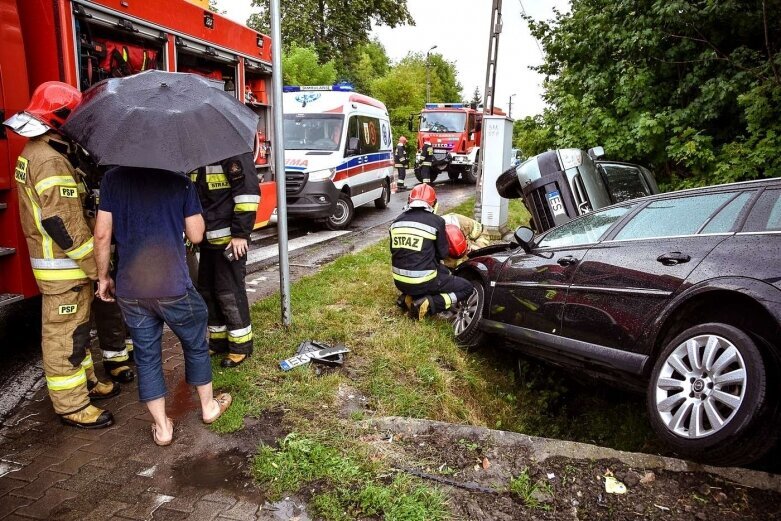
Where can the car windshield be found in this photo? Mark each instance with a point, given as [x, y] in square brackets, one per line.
[442, 121]
[313, 131]
[624, 182]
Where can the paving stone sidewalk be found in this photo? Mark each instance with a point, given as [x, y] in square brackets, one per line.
[51, 471]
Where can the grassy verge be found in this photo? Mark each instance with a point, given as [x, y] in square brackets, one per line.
[403, 368]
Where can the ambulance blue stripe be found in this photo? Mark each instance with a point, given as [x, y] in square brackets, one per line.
[364, 160]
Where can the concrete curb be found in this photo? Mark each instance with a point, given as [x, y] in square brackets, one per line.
[541, 449]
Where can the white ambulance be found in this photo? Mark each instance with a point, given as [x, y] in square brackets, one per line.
[338, 153]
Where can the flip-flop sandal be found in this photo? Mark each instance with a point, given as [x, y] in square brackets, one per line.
[158, 441]
[224, 400]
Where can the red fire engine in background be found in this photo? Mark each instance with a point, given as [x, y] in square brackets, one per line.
[82, 42]
[454, 130]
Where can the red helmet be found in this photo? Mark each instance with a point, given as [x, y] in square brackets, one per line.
[423, 196]
[52, 103]
[456, 242]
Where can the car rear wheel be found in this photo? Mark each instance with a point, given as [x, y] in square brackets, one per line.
[708, 396]
[466, 323]
[343, 213]
[382, 201]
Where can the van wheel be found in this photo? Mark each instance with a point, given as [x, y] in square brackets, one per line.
[382, 201]
[470, 174]
[709, 396]
[343, 213]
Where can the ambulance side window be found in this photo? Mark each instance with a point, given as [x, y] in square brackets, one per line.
[352, 132]
[369, 129]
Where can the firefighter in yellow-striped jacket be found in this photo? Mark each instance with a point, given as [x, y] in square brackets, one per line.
[51, 199]
[230, 195]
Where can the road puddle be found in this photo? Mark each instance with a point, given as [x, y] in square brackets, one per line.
[228, 471]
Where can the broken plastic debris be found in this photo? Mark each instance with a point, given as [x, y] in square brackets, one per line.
[318, 352]
[613, 486]
[551, 475]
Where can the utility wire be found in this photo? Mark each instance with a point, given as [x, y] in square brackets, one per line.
[523, 12]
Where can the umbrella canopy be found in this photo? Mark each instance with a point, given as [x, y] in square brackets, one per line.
[166, 120]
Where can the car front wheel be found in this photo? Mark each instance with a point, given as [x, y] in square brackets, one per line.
[466, 323]
[708, 396]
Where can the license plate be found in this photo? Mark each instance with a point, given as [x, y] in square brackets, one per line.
[556, 206]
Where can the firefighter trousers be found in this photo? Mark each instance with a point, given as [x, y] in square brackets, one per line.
[425, 173]
[446, 290]
[402, 175]
[67, 361]
[221, 284]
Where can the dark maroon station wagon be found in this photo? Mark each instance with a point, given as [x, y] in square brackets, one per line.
[678, 294]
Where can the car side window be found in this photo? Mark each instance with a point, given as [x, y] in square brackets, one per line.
[585, 230]
[673, 217]
[724, 221]
[352, 132]
[765, 216]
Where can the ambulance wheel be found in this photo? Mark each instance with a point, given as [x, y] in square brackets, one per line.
[453, 175]
[343, 213]
[382, 201]
[470, 174]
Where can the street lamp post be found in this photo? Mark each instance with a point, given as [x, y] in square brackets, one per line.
[511, 106]
[428, 87]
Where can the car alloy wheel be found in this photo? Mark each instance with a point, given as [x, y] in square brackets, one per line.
[701, 385]
[465, 314]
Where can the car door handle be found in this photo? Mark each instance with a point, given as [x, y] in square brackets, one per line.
[569, 260]
[673, 258]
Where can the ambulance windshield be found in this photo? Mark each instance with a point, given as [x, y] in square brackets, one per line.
[313, 131]
[442, 121]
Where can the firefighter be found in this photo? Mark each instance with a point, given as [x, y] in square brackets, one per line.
[60, 246]
[466, 231]
[426, 162]
[418, 246]
[400, 156]
[230, 195]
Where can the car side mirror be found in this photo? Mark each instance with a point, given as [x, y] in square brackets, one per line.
[596, 152]
[524, 236]
[352, 146]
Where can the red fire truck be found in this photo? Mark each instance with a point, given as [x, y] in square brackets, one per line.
[82, 42]
[454, 130]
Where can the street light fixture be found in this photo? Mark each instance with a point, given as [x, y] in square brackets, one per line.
[428, 87]
[511, 106]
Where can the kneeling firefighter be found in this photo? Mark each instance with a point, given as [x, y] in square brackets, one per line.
[51, 204]
[230, 195]
[418, 243]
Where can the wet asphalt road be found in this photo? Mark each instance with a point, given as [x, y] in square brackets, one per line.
[310, 246]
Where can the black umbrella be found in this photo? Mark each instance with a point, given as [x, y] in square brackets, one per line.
[166, 120]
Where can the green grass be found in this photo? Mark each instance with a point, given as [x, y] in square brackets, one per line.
[404, 368]
[526, 488]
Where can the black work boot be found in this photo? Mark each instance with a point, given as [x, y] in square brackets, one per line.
[88, 418]
[421, 307]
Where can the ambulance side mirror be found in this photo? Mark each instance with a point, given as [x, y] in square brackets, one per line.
[352, 146]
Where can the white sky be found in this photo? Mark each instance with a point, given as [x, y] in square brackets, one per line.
[464, 40]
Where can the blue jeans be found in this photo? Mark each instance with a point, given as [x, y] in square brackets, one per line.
[186, 316]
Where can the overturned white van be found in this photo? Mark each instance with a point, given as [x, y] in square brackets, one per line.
[338, 153]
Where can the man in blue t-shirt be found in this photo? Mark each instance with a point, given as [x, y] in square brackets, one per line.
[148, 211]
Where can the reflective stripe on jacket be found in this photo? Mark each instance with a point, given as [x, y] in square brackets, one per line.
[230, 195]
[51, 205]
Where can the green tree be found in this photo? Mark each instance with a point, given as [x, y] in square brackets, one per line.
[213, 7]
[533, 136]
[334, 27]
[477, 98]
[368, 62]
[300, 66]
[692, 87]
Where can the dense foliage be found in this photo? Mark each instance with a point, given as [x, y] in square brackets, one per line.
[690, 87]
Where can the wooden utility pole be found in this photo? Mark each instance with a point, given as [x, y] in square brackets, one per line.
[488, 100]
